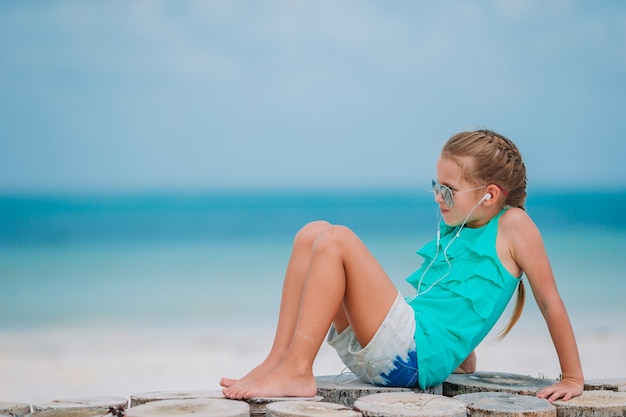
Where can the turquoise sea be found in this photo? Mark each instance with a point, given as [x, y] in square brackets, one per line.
[217, 258]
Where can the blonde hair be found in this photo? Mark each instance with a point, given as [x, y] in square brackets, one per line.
[486, 157]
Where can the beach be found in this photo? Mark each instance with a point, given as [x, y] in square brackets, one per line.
[38, 367]
[113, 298]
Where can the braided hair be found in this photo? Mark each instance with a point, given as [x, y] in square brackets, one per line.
[492, 159]
[486, 157]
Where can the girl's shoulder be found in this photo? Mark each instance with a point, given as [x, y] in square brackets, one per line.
[516, 225]
[514, 215]
[516, 230]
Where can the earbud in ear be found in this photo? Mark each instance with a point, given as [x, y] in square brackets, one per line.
[487, 197]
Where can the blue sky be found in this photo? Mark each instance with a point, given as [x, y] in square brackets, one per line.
[195, 95]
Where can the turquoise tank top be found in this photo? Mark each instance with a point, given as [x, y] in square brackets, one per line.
[453, 314]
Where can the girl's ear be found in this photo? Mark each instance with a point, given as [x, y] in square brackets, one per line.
[495, 193]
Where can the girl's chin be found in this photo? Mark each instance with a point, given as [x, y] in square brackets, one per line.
[449, 220]
[445, 215]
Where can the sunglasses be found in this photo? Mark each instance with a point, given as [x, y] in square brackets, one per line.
[447, 194]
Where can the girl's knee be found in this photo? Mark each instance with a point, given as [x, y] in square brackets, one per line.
[310, 231]
[333, 238]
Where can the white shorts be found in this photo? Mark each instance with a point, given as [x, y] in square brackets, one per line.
[390, 358]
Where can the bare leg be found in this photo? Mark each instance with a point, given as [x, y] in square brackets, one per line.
[468, 366]
[293, 286]
[343, 276]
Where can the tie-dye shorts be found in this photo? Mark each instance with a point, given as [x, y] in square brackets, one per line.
[390, 358]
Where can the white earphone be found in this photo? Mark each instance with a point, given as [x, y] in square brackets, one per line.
[486, 197]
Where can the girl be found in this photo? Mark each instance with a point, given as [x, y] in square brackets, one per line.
[470, 271]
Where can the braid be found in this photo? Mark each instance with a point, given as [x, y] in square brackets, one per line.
[492, 159]
[495, 159]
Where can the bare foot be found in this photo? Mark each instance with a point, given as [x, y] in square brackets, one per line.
[280, 382]
[468, 366]
[265, 366]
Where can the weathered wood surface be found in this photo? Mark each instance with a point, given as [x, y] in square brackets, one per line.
[593, 404]
[410, 404]
[193, 407]
[88, 402]
[616, 384]
[14, 409]
[146, 397]
[345, 390]
[70, 412]
[504, 404]
[309, 409]
[258, 406]
[458, 384]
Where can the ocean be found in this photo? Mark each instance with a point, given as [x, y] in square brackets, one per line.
[212, 264]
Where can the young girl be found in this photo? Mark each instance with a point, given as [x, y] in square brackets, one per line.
[470, 271]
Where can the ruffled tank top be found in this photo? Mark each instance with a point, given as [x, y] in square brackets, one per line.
[463, 292]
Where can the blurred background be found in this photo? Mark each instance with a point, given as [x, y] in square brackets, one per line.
[169, 95]
[156, 157]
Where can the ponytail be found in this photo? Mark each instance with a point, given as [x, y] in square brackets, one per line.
[517, 312]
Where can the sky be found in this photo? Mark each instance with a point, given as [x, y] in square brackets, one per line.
[129, 96]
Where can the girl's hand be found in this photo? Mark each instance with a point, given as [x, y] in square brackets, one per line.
[562, 390]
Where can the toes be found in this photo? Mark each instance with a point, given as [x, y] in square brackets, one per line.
[227, 382]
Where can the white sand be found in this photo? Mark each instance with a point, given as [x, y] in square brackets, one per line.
[40, 366]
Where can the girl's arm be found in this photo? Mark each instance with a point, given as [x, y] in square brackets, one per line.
[527, 250]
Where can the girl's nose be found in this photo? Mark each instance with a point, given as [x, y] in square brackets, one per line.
[438, 197]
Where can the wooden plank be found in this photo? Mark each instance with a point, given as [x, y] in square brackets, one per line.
[458, 384]
[503, 404]
[258, 406]
[191, 407]
[345, 390]
[410, 404]
[83, 403]
[593, 404]
[146, 397]
[14, 409]
[70, 412]
[309, 409]
[616, 384]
